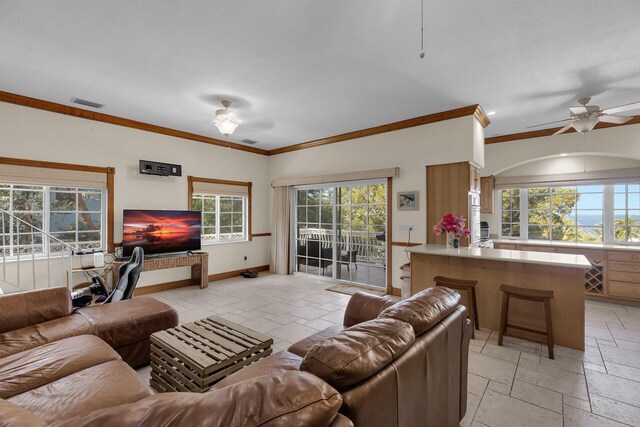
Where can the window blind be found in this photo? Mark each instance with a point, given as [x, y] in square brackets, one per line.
[611, 176]
[337, 177]
[33, 175]
[203, 187]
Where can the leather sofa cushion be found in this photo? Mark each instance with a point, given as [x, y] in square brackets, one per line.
[14, 416]
[102, 386]
[43, 333]
[363, 306]
[42, 365]
[277, 363]
[424, 309]
[285, 399]
[129, 321]
[28, 308]
[302, 347]
[358, 352]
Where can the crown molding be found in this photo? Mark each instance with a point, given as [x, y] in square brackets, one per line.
[549, 132]
[68, 110]
[474, 110]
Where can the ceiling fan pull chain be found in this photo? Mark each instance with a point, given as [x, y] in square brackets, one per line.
[422, 29]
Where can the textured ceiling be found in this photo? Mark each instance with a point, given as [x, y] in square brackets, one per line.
[301, 70]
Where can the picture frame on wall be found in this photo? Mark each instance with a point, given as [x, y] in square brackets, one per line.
[408, 200]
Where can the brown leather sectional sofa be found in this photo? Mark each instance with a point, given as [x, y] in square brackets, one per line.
[390, 364]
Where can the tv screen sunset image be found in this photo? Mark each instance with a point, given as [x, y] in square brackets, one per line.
[158, 231]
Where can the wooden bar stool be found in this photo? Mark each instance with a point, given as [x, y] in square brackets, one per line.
[469, 286]
[545, 297]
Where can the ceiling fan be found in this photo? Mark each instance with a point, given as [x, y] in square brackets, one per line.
[584, 117]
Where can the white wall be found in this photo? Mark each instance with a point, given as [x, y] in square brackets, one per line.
[603, 149]
[409, 149]
[28, 133]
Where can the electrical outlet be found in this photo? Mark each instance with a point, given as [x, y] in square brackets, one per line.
[405, 227]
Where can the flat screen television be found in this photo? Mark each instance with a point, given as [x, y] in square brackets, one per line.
[159, 231]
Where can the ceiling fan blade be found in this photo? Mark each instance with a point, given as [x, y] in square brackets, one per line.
[621, 108]
[563, 130]
[579, 110]
[549, 123]
[614, 119]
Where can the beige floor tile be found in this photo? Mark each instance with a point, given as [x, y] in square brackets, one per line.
[335, 316]
[498, 410]
[621, 356]
[603, 315]
[601, 333]
[499, 387]
[591, 354]
[260, 324]
[625, 334]
[504, 353]
[278, 308]
[283, 319]
[590, 342]
[473, 402]
[616, 388]
[574, 417]
[319, 324]
[623, 371]
[615, 410]
[492, 368]
[598, 368]
[538, 396]
[292, 332]
[308, 312]
[556, 379]
[562, 362]
[628, 345]
[576, 403]
[476, 384]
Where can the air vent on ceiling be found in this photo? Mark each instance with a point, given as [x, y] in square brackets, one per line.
[87, 103]
[249, 141]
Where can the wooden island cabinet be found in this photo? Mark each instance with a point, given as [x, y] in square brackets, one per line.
[614, 272]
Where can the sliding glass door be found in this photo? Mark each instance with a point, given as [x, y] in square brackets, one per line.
[340, 232]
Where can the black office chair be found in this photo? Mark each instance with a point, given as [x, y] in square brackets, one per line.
[97, 292]
[129, 274]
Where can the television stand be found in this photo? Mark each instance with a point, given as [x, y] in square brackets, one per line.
[199, 263]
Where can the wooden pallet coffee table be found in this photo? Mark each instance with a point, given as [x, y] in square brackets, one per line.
[194, 356]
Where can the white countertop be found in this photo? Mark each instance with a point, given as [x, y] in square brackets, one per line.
[527, 257]
[568, 244]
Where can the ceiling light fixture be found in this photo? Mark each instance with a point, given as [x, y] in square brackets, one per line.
[224, 121]
[491, 113]
[584, 125]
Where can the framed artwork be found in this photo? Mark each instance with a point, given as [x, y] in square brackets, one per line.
[408, 200]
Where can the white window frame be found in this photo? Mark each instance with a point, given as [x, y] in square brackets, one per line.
[216, 240]
[608, 236]
[46, 220]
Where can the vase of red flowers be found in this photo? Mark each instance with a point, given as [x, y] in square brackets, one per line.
[454, 227]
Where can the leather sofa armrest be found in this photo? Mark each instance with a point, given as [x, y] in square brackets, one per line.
[363, 306]
[341, 421]
[16, 416]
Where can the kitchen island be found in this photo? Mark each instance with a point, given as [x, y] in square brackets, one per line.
[561, 273]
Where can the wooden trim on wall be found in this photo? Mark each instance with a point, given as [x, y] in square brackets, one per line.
[549, 132]
[236, 273]
[261, 235]
[110, 211]
[474, 110]
[248, 184]
[109, 171]
[55, 165]
[68, 110]
[405, 244]
[389, 235]
[53, 107]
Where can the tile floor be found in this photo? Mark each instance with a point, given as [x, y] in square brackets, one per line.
[513, 385]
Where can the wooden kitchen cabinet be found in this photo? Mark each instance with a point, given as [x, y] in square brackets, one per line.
[487, 198]
[448, 188]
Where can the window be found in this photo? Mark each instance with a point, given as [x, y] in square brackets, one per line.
[626, 214]
[581, 213]
[510, 212]
[223, 217]
[73, 215]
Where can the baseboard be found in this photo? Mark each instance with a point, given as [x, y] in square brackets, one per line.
[187, 282]
[159, 287]
[395, 292]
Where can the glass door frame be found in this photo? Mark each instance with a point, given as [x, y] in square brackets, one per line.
[336, 262]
